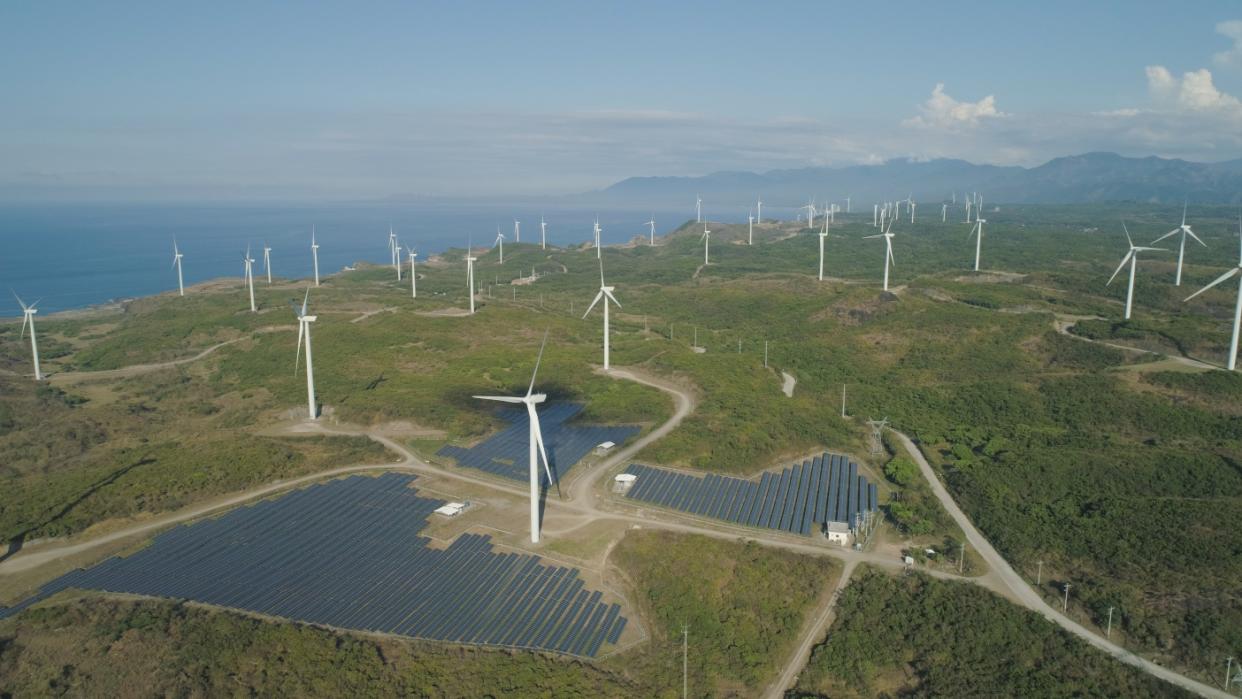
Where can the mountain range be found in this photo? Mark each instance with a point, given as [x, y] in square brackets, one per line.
[1090, 177]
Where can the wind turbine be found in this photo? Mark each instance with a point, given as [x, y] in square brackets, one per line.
[249, 267]
[888, 250]
[267, 262]
[823, 233]
[698, 209]
[651, 224]
[605, 294]
[396, 248]
[413, 275]
[537, 449]
[598, 230]
[750, 231]
[1237, 307]
[977, 231]
[28, 320]
[177, 263]
[810, 214]
[315, 255]
[392, 242]
[304, 321]
[875, 215]
[847, 204]
[707, 243]
[500, 242]
[543, 234]
[967, 211]
[517, 231]
[759, 211]
[944, 213]
[1181, 250]
[1132, 258]
[912, 204]
[470, 259]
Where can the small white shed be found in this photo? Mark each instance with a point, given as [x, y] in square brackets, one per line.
[451, 509]
[838, 533]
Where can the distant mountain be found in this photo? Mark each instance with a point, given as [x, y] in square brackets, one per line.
[1089, 177]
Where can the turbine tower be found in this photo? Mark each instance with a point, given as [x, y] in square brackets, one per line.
[888, 250]
[707, 244]
[1232, 362]
[543, 234]
[698, 209]
[413, 275]
[392, 249]
[944, 213]
[605, 295]
[1181, 250]
[396, 248]
[810, 214]
[177, 263]
[977, 231]
[651, 224]
[304, 334]
[28, 314]
[267, 262]
[315, 255]
[1132, 258]
[847, 203]
[248, 262]
[598, 231]
[823, 233]
[517, 231]
[750, 230]
[470, 259]
[535, 435]
[759, 211]
[500, 243]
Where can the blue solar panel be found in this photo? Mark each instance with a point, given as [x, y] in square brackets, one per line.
[348, 553]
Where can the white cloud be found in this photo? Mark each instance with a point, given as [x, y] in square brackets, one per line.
[942, 111]
[1233, 56]
[1193, 92]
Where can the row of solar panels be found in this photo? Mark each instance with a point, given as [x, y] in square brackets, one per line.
[507, 454]
[348, 554]
[825, 489]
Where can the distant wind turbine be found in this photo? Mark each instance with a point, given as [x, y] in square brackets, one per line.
[944, 213]
[759, 211]
[392, 250]
[598, 231]
[605, 295]
[543, 234]
[913, 204]
[1181, 250]
[1132, 258]
[315, 255]
[28, 314]
[396, 248]
[248, 264]
[875, 215]
[847, 204]
[517, 231]
[535, 436]
[888, 250]
[750, 231]
[707, 244]
[651, 224]
[500, 243]
[304, 333]
[1232, 362]
[267, 262]
[822, 235]
[470, 259]
[698, 209]
[177, 263]
[413, 274]
[810, 214]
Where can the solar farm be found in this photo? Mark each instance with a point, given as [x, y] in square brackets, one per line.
[825, 489]
[506, 452]
[348, 554]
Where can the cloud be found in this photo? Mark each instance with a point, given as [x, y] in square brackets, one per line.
[1194, 92]
[1233, 56]
[942, 111]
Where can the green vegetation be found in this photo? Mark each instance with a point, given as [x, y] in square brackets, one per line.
[915, 636]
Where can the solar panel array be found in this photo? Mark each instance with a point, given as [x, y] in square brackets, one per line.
[506, 453]
[348, 554]
[825, 489]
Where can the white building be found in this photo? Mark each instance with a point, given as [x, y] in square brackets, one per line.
[451, 509]
[838, 533]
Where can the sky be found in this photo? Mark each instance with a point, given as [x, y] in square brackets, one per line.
[363, 100]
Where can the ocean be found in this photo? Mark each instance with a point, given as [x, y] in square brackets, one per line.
[71, 256]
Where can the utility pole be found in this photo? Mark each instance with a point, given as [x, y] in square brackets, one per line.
[961, 558]
[1108, 633]
[739, 346]
[842, 401]
[1065, 603]
[685, 675]
[765, 354]
[1039, 573]
[696, 337]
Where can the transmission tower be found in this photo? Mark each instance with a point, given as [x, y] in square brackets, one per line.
[877, 435]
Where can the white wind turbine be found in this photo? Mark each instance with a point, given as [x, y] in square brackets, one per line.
[315, 255]
[651, 225]
[28, 314]
[500, 243]
[517, 231]
[1237, 306]
[1132, 258]
[248, 262]
[267, 262]
[1181, 250]
[944, 213]
[875, 215]
[304, 334]
[392, 249]
[707, 244]
[759, 211]
[543, 234]
[537, 449]
[698, 209]
[598, 231]
[977, 231]
[750, 230]
[470, 260]
[913, 204]
[605, 295]
[847, 204]
[967, 211]
[396, 248]
[888, 250]
[810, 214]
[177, 263]
[413, 274]
[823, 233]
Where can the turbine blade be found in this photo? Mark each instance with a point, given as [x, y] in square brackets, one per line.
[531, 389]
[612, 298]
[601, 272]
[1124, 260]
[1192, 235]
[298, 357]
[1127, 230]
[1216, 281]
[501, 399]
[20, 302]
[305, 300]
[597, 298]
[25, 322]
[547, 466]
[1166, 235]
